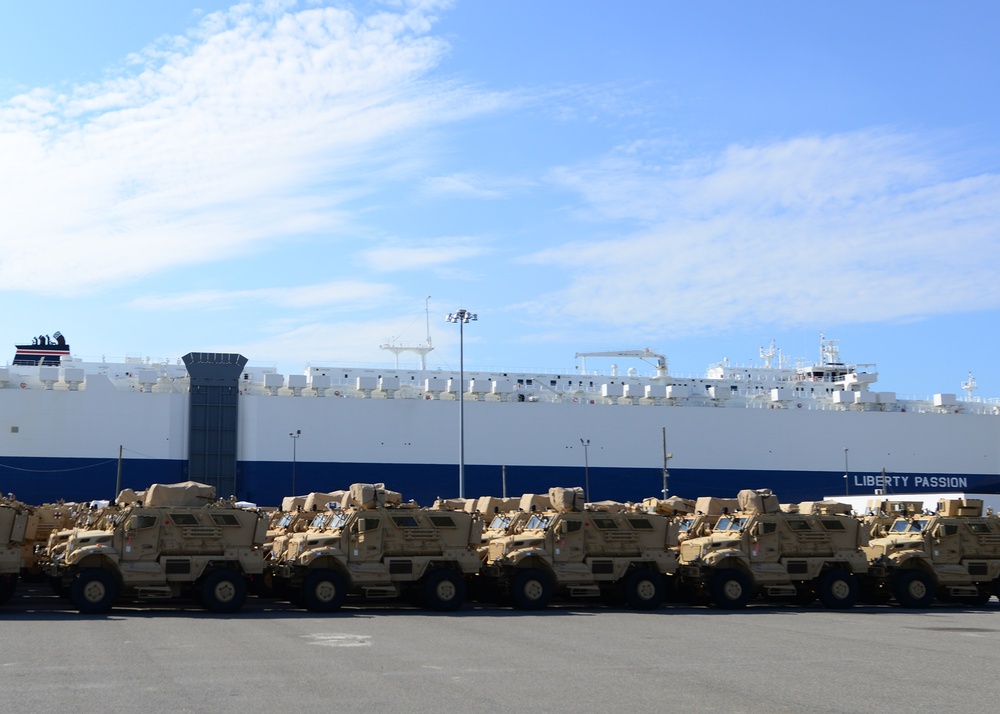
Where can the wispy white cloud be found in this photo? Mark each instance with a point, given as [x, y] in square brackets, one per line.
[337, 295]
[467, 185]
[403, 255]
[253, 127]
[851, 228]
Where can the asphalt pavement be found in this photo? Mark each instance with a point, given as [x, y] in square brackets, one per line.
[573, 657]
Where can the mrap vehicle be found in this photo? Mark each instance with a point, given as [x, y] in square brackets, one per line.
[762, 550]
[952, 555]
[178, 540]
[613, 553]
[375, 549]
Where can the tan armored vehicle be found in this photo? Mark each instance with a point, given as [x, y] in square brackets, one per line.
[953, 555]
[374, 549]
[707, 512]
[176, 541]
[618, 555]
[14, 518]
[880, 514]
[762, 550]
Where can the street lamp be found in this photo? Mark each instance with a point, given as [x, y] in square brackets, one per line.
[461, 317]
[847, 486]
[586, 471]
[295, 440]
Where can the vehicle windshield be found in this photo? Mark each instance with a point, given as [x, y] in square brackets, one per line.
[538, 523]
[286, 520]
[319, 521]
[730, 524]
[337, 521]
[500, 523]
[686, 524]
[904, 526]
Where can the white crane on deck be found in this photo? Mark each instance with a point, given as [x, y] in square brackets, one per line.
[643, 354]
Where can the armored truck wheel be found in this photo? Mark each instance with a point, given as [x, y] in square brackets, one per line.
[913, 588]
[838, 589]
[94, 591]
[8, 583]
[730, 589]
[324, 591]
[223, 591]
[531, 589]
[643, 589]
[443, 590]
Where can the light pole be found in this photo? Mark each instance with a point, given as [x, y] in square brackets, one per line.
[847, 484]
[586, 471]
[666, 458]
[461, 317]
[295, 440]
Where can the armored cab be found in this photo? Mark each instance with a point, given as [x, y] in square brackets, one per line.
[622, 555]
[377, 549]
[761, 549]
[14, 518]
[706, 513]
[177, 540]
[953, 555]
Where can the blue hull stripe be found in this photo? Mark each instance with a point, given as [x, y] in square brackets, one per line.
[40, 480]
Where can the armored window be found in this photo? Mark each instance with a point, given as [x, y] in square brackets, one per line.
[139, 522]
[640, 524]
[442, 521]
[370, 524]
[285, 520]
[317, 522]
[225, 519]
[978, 527]
[538, 523]
[723, 524]
[605, 524]
[184, 519]
[573, 526]
[832, 524]
[500, 522]
[404, 521]
[949, 529]
[338, 520]
[799, 525]
[900, 526]
[767, 527]
[686, 524]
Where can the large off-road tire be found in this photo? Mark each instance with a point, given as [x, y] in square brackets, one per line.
[838, 589]
[532, 589]
[223, 591]
[913, 588]
[730, 589]
[8, 584]
[643, 589]
[977, 600]
[94, 591]
[443, 590]
[324, 590]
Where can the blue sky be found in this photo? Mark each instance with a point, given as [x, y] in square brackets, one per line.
[292, 180]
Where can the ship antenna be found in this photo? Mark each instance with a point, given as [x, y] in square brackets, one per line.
[970, 386]
[769, 355]
[427, 316]
[420, 350]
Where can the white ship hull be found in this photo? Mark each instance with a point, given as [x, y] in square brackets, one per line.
[61, 440]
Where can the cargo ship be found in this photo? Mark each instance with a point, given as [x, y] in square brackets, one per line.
[76, 429]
